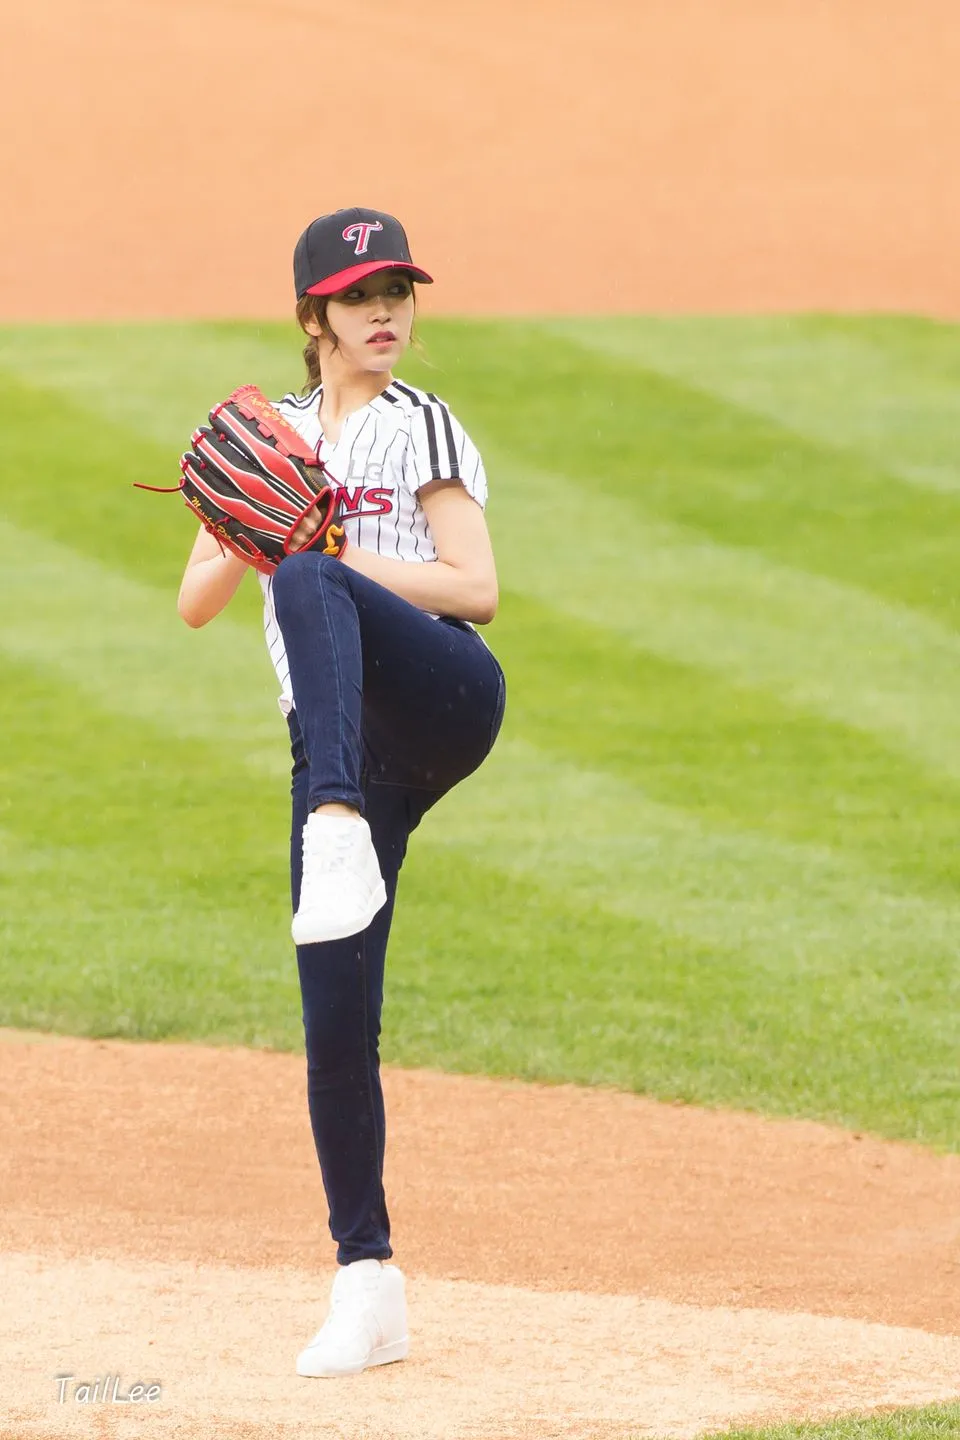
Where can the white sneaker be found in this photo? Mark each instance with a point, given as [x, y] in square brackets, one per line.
[367, 1324]
[342, 886]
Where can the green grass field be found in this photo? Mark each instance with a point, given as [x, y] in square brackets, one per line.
[714, 855]
[933, 1422]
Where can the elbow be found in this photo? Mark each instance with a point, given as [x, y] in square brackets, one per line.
[189, 615]
[485, 604]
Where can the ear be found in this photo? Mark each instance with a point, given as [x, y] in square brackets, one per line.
[312, 327]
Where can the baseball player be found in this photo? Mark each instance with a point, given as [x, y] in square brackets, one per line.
[391, 698]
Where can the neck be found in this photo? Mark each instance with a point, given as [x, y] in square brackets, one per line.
[346, 390]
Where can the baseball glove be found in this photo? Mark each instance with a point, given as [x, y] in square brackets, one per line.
[251, 479]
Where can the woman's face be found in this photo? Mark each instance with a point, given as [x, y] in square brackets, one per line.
[372, 321]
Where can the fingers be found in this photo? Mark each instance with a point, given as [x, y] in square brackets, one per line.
[308, 526]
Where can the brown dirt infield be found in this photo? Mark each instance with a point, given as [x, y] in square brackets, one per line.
[626, 155]
[580, 1264]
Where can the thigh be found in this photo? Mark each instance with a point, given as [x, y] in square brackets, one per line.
[429, 731]
[433, 693]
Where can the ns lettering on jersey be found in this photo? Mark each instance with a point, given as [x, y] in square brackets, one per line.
[400, 441]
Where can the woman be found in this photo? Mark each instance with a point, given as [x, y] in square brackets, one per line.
[391, 698]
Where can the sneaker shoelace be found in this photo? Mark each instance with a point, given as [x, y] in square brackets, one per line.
[351, 1311]
[365, 1293]
[329, 858]
[334, 851]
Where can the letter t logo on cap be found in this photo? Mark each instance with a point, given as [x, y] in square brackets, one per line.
[361, 232]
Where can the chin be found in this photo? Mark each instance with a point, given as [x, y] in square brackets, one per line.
[378, 364]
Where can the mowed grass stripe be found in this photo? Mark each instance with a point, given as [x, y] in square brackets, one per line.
[146, 537]
[133, 658]
[69, 476]
[657, 446]
[166, 867]
[731, 755]
[143, 874]
[157, 381]
[663, 449]
[122, 643]
[138, 662]
[641, 434]
[95, 513]
[705, 934]
[544, 979]
[884, 387]
[604, 843]
[823, 648]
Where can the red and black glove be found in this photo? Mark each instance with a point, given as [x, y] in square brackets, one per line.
[251, 479]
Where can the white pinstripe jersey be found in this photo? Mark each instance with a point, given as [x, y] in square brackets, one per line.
[401, 440]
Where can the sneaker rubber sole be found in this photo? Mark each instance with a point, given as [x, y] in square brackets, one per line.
[383, 1355]
[305, 934]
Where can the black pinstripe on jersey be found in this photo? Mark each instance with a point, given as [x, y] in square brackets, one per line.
[454, 471]
[447, 468]
[302, 402]
[432, 443]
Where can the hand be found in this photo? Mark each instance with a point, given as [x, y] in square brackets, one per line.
[308, 526]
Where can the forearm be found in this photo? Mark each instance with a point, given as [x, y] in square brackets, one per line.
[435, 585]
[208, 585]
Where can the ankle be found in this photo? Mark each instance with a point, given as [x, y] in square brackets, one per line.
[342, 812]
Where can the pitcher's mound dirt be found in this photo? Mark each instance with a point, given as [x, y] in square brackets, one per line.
[581, 1263]
[491, 1361]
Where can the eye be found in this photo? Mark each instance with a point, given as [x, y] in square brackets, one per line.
[399, 287]
[354, 294]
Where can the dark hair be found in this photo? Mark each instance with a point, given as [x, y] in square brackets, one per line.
[314, 307]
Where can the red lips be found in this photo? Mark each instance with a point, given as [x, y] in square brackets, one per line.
[381, 337]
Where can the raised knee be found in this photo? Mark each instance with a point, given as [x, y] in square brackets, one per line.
[294, 571]
[302, 562]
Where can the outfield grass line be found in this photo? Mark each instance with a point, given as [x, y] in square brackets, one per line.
[661, 447]
[99, 512]
[823, 647]
[156, 380]
[929, 1422]
[711, 734]
[123, 644]
[838, 388]
[596, 837]
[602, 842]
[165, 862]
[133, 657]
[757, 715]
[731, 754]
[835, 387]
[856, 527]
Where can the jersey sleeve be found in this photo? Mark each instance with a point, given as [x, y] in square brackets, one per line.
[440, 449]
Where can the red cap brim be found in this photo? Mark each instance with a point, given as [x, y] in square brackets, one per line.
[344, 278]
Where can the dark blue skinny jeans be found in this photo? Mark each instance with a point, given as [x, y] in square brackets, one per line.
[393, 708]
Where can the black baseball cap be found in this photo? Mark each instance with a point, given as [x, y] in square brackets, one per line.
[337, 250]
